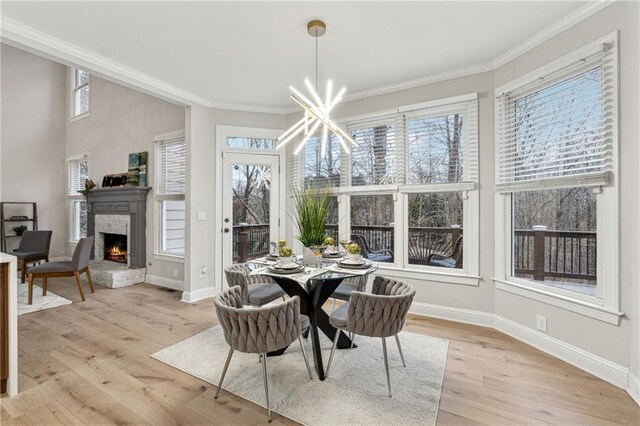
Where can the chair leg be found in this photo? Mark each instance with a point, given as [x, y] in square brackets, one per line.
[23, 270]
[44, 286]
[77, 275]
[224, 372]
[265, 372]
[333, 350]
[306, 360]
[88, 272]
[334, 305]
[31, 289]
[353, 339]
[400, 350]
[386, 364]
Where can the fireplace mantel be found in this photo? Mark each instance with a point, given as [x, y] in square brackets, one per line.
[131, 201]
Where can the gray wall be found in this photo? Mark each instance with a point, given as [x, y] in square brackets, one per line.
[122, 121]
[32, 166]
[608, 341]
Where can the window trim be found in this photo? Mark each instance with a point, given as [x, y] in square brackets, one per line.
[72, 198]
[605, 307]
[73, 117]
[469, 275]
[158, 252]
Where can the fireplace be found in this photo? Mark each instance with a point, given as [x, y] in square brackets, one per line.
[115, 247]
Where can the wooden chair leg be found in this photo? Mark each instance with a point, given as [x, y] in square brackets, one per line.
[30, 289]
[77, 275]
[88, 272]
[44, 286]
[23, 270]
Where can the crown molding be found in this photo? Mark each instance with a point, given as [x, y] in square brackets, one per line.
[552, 30]
[26, 38]
[18, 35]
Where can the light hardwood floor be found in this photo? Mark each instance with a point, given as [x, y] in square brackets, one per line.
[89, 363]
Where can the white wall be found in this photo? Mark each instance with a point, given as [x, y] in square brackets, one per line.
[608, 341]
[122, 121]
[32, 164]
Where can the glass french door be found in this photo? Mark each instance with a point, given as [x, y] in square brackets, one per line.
[250, 206]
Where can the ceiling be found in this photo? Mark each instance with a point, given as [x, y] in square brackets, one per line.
[248, 53]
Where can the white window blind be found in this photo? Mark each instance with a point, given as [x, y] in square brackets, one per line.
[171, 168]
[442, 144]
[378, 159]
[557, 130]
[77, 174]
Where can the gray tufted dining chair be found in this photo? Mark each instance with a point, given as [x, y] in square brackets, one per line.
[258, 330]
[257, 290]
[380, 313]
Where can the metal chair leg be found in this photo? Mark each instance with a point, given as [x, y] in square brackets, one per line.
[224, 372]
[353, 339]
[332, 309]
[306, 360]
[400, 350]
[333, 350]
[386, 364]
[266, 385]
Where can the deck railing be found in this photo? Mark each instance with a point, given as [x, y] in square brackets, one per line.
[539, 254]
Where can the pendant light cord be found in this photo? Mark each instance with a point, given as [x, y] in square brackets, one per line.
[316, 59]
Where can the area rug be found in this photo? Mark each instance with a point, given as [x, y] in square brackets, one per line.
[40, 302]
[354, 393]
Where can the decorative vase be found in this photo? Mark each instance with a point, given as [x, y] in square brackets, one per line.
[355, 257]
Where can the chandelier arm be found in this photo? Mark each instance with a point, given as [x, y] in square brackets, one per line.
[324, 119]
[325, 135]
[294, 134]
[306, 138]
[291, 129]
[313, 92]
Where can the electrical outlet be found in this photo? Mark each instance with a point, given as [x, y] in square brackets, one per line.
[541, 323]
[203, 271]
[175, 273]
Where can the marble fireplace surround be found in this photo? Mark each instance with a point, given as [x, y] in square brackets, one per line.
[119, 211]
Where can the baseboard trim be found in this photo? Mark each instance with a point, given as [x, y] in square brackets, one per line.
[196, 295]
[633, 387]
[164, 282]
[602, 368]
[465, 316]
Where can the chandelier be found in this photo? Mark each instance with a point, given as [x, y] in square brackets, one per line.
[316, 111]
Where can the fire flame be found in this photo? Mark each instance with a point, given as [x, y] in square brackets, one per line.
[115, 251]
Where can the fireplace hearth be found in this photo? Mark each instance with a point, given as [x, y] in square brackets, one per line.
[115, 247]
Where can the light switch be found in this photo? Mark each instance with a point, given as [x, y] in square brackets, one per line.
[202, 215]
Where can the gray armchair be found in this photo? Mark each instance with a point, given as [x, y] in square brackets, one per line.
[380, 313]
[34, 246]
[258, 330]
[78, 264]
[256, 290]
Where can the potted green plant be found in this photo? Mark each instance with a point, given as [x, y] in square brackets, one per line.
[285, 255]
[19, 230]
[353, 250]
[311, 209]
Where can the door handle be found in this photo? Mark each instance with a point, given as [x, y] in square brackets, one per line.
[226, 230]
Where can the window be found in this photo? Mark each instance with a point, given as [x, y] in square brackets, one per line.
[408, 189]
[77, 174]
[80, 92]
[250, 143]
[170, 190]
[556, 178]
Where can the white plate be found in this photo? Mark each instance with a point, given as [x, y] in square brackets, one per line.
[353, 262]
[287, 266]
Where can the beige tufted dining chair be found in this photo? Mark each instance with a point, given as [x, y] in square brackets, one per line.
[257, 290]
[380, 313]
[258, 330]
